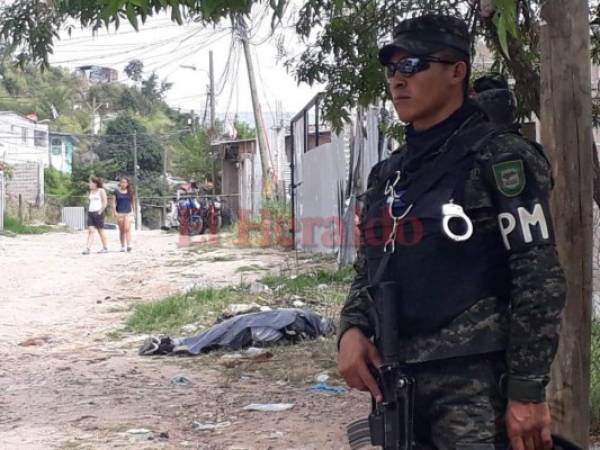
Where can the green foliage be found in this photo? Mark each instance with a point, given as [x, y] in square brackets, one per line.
[134, 70]
[13, 225]
[58, 184]
[32, 25]
[170, 314]
[191, 158]
[154, 89]
[200, 305]
[27, 90]
[309, 280]
[116, 145]
[243, 130]
[82, 173]
[505, 21]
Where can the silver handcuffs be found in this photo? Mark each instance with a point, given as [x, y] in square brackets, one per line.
[452, 211]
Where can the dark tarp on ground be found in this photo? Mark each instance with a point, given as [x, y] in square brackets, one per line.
[256, 329]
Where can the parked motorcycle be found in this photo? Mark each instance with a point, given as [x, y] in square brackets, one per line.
[190, 216]
[213, 221]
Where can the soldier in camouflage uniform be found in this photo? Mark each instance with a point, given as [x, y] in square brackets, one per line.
[481, 316]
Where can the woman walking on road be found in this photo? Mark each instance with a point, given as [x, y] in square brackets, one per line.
[123, 201]
[95, 218]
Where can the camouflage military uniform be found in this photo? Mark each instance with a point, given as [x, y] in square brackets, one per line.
[459, 367]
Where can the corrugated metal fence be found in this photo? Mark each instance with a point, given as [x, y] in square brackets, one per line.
[73, 217]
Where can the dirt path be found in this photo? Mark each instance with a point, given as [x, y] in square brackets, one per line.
[82, 390]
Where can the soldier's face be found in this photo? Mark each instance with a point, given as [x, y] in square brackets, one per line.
[420, 97]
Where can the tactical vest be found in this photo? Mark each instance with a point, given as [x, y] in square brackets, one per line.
[430, 278]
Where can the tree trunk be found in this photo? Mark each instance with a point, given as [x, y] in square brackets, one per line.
[566, 119]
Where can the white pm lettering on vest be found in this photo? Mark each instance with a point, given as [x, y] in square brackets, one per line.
[527, 220]
[507, 225]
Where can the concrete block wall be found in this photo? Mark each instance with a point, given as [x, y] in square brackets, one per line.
[28, 180]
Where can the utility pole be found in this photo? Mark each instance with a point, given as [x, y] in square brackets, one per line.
[138, 211]
[566, 120]
[165, 187]
[213, 131]
[265, 159]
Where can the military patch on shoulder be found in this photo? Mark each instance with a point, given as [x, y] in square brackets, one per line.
[510, 177]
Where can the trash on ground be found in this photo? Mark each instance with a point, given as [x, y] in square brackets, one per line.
[298, 304]
[138, 431]
[235, 309]
[210, 426]
[322, 378]
[191, 328]
[324, 388]
[257, 288]
[180, 380]
[141, 434]
[269, 407]
[252, 355]
[256, 329]
[156, 346]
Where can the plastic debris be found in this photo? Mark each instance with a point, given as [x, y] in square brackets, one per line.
[188, 329]
[139, 431]
[257, 288]
[181, 380]
[322, 378]
[298, 303]
[241, 308]
[210, 426]
[324, 388]
[269, 407]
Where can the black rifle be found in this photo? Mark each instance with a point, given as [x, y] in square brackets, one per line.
[390, 424]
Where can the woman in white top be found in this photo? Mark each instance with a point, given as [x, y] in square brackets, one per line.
[95, 219]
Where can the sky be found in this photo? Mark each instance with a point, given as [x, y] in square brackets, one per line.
[164, 47]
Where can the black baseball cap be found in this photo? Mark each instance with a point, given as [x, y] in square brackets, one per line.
[428, 34]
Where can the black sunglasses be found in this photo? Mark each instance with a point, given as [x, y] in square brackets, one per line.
[413, 64]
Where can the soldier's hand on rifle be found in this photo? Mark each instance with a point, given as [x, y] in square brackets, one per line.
[355, 355]
[528, 426]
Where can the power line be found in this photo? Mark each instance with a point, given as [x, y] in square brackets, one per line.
[151, 45]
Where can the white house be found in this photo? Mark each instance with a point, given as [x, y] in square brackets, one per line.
[23, 140]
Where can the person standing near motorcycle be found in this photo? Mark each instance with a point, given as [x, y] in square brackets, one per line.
[95, 219]
[123, 201]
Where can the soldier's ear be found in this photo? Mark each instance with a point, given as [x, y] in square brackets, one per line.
[460, 71]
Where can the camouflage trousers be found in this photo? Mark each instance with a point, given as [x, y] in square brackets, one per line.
[459, 404]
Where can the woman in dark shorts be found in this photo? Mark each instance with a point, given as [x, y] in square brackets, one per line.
[123, 201]
[95, 219]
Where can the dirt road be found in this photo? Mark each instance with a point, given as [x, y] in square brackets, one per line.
[79, 389]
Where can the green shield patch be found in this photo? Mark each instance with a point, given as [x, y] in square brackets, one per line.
[510, 177]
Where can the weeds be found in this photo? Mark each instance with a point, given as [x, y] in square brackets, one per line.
[170, 314]
[13, 225]
[250, 268]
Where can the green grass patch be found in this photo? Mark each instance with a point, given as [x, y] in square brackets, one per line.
[203, 306]
[170, 314]
[250, 268]
[307, 281]
[14, 226]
